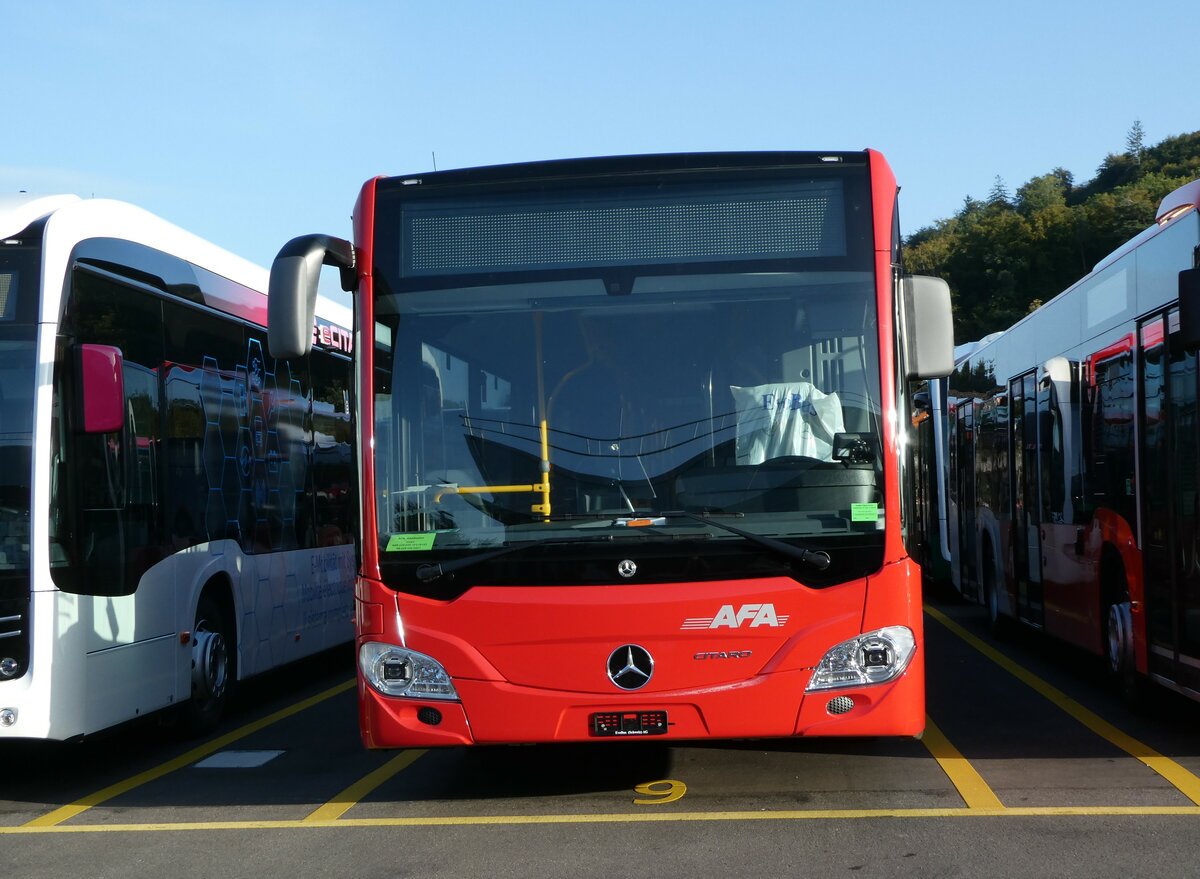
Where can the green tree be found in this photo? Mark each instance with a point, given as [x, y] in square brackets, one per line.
[971, 206]
[1004, 256]
[1176, 156]
[1135, 142]
[999, 197]
[1041, 193]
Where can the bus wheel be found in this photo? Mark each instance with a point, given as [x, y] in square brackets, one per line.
[1121, 664]
[991, 597]
[212, 667]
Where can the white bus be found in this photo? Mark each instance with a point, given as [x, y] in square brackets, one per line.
[176, 507]
[1071, 480]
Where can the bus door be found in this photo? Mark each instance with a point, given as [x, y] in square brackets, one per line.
[1067, 571]
[965, 476]
[953, 523]
[1171, 555]
[1026, 538]
[1185, 433]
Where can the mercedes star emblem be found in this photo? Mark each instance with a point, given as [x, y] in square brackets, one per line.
[630, 667]
[627, 568]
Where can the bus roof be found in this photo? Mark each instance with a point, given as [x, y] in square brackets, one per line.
[1171, 209]
[19, 211]
[1182, 201]
[645, 163]
[71, 219]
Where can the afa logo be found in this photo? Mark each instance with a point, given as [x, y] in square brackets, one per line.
[747, 615]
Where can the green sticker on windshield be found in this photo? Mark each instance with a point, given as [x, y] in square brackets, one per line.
[410, 542]
[864, 512]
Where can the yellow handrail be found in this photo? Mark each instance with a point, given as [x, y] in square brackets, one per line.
[543, 487]
[483, 489]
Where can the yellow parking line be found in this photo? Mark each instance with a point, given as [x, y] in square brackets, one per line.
[350, 797]
[69, 811]
[1187, 783]
[621, 818]
[970, 784]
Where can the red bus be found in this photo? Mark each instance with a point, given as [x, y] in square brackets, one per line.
[631, 447]
[1071, 480]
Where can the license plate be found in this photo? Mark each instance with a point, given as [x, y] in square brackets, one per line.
[629, 723]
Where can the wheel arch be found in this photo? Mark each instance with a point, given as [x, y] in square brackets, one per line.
[218, 587]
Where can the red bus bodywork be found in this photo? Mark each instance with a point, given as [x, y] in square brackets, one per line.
[524, 660]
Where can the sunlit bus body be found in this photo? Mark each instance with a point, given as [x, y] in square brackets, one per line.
[1071, 477]
[631, 461]
[175, 506]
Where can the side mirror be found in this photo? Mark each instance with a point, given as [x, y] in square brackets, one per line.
[1189, 307]
[928, 327]
[292, 291]
[101, 398]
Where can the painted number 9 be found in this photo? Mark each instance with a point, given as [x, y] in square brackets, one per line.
[665, 791]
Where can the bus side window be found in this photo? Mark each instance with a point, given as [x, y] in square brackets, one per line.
[203, 436]
[333, 494]
[109, 510]
[1052, 462]
[143, 516]
[288, 455]
[184, 438]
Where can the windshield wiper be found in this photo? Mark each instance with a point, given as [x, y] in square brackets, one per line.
[427, 573]
[818, 558]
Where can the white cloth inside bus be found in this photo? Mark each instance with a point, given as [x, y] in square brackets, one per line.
[784, 419]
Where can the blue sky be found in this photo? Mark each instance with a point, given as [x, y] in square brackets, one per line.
[252, 122]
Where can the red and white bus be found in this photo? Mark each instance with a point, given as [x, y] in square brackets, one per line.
[1071, 483]
[632, 435]
[175, 506]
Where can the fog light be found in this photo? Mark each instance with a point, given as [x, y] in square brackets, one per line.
[840, 705]
[8, 716]
[9, 667]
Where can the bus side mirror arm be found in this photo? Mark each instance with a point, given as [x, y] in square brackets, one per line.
[292, 290]
[1189, 307]
[927, 330]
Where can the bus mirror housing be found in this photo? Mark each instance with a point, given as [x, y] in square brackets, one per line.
[1189, 307]
[928, 327]
[101, 406]
[292, 290]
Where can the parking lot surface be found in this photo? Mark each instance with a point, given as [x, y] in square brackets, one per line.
[1029, 765]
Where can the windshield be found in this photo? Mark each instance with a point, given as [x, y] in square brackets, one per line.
[18, 316]
[580, 395]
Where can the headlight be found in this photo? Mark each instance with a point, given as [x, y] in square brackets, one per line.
[395, 671]
[871, 658]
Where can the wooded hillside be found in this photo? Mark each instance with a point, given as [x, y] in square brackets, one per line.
[1005, 256]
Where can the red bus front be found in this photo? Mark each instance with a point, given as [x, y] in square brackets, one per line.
[629, 453]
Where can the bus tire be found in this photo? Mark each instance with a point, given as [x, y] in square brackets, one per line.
[213, 667]
[1122, 667]
[1119, 635]
[997, 622]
